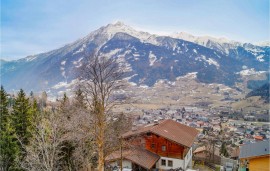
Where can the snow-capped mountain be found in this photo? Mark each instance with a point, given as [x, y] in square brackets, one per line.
[147, 57]
[223, 45]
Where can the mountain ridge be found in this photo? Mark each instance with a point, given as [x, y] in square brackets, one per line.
[148, 56]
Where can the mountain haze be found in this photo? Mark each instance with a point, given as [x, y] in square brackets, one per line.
[147, 58]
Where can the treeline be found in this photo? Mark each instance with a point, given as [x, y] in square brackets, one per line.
[37, 135]
[70, 134]
[262, 91]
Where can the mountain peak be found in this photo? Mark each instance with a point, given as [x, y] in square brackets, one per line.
[119, 23]
[265, 43]
[119, 27]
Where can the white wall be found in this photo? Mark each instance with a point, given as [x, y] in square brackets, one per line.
[187, 162]
[188, 159]
[126, 164]
[176, 163]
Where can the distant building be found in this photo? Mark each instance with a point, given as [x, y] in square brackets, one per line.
[255, 156]
[163, 145]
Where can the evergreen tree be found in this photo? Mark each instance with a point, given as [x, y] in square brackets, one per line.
[8, 145]
[67, 146]
[3, 108]
[79, 99]
[223, 150]
[22, 118]
[65, 105]
[43, 99]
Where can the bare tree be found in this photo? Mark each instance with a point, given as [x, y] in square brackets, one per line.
[100, 78]
[43, 151]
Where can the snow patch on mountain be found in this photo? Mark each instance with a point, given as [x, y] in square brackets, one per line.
[260, 58]
[30, 58]
[128, 78]
[266, 43]
[123, 63]
[191, 75]
[119, 27]
[80, 50]
[210, 61]
[251, 71]
[144, 86]
[222, 44]
[78, 63]
[152, 58]
[112, 52]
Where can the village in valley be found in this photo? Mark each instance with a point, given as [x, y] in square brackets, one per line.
[218, 141]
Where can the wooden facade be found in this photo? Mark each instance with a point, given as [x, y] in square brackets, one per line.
[163, 147]
[159, 145]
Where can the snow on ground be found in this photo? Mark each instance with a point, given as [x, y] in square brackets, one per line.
[144, 86]
[260, 58]
[251, 71]
[30, 58]
[112, 29]
[210, 61]
[132, 83]
[112, 52]
[80, 50]
[128, 78]
[188, 75]
[195, 51]
[136, 54]
[78, 63]
[63, 62]
[123, 63]
[152, 58]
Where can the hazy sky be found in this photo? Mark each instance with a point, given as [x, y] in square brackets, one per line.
[33, 26]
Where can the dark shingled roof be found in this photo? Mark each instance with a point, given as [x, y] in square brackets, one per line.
[170, 130]
[254, 149]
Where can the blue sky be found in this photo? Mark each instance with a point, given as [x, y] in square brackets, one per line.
[33, 26]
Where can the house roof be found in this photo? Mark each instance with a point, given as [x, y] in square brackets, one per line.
[141, 157]
[199, 149]
[254, 149]
[170, 130]
[258, 137]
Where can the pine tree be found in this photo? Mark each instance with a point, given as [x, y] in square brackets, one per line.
[43, 99]
[65, 105]
[223, 150]
[67, 146]
[3, 108]
[8, 145]
[22, 118]
[79, 99]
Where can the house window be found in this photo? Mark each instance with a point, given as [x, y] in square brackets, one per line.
[163, 162]
[152, 145]
[163, 148]
[170, 163]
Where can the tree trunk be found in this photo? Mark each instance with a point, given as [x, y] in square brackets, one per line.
[101, 138]
[100, 156]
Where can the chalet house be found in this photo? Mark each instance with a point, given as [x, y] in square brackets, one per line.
[163, 145]
[255, 156]
[204, 153]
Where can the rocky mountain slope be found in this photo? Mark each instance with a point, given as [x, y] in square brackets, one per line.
[148, 58]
